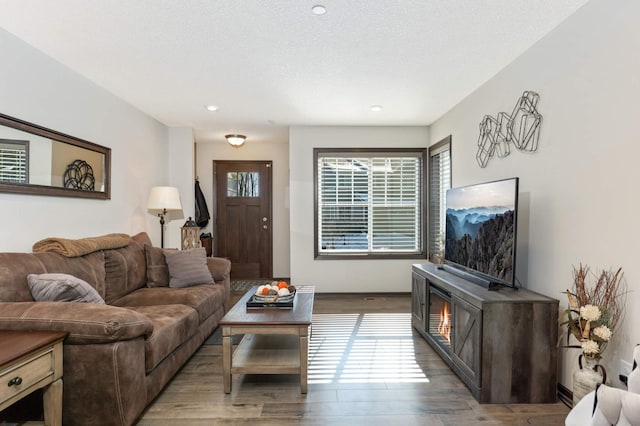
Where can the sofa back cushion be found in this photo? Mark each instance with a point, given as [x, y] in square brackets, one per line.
[125, 270]
[14, 268]
[89, 267]
[142, 238]
[157, 269]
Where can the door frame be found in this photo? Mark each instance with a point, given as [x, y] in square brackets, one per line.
[214, 206]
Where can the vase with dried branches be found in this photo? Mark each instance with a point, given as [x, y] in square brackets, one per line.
[593, 313]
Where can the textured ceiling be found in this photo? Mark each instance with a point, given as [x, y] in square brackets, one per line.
[270, 64]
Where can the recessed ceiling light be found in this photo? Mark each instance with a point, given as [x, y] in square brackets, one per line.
[212, 108]
[319, 9]
[376, 108]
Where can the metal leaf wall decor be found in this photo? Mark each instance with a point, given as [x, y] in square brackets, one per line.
[79, 175]
[521, 128]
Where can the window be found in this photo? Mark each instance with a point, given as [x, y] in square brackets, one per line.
[369, 203]
[14, 160]
[243, 184]
[439, 182]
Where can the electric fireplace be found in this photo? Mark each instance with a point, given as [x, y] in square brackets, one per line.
[439, 317]
[501, 343]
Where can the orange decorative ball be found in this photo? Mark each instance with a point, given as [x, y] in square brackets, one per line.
[265, 291]
[282, 284]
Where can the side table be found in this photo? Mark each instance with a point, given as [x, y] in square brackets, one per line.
[30, 360]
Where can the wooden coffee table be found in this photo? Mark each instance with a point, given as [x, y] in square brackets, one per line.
[276, 341]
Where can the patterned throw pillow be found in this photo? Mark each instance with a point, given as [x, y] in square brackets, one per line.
[61, 288]
[188, 267]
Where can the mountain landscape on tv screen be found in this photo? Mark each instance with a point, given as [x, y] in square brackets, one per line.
[481, 238]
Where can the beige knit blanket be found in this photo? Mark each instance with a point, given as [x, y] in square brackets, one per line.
[75, 248]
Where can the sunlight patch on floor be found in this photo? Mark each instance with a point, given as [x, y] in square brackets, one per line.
[363, 348]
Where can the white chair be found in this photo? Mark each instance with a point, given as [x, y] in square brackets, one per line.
[608, 406]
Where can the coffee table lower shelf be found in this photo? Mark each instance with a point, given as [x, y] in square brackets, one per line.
[268, 354]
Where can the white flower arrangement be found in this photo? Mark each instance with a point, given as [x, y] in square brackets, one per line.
[603, 332]
[589, 347]
[594, 312]
[590, 312]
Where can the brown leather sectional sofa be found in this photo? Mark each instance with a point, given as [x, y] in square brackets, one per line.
[118, 356]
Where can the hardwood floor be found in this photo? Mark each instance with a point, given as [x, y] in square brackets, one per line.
[366, 367]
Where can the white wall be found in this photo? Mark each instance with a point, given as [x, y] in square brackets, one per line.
[275, 151]
[39, 90]
[582, 183]
[182, 176]
[340, 275]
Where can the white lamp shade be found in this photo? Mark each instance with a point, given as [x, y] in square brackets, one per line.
[164, 197]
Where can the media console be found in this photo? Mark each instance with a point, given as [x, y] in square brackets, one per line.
[502, 344]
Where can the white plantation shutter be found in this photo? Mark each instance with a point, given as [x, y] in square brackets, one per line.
[13, 161]
[439, 182]
[369, 203]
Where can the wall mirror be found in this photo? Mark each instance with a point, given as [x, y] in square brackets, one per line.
[39, 161]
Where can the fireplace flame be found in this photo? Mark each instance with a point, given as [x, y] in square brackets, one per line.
[444, 327]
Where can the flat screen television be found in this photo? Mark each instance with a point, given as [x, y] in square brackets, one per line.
[480, 231]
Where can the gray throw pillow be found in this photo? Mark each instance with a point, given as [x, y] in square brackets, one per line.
[187, 267]
[61, 288]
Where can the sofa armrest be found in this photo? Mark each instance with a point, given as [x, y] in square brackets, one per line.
[86, 323]
[220, 269]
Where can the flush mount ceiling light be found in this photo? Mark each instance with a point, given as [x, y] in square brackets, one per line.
[376, 108]
[212, 108]
[235, 140]
[319, 9]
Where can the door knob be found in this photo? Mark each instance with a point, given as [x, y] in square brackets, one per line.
[264, 226]
[264, 219]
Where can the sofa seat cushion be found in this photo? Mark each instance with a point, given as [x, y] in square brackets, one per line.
[172, 326]
[205, 299]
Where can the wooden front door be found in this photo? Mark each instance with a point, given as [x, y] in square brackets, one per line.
[242, 194]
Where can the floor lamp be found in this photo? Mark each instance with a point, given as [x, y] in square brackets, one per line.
[163, 199]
